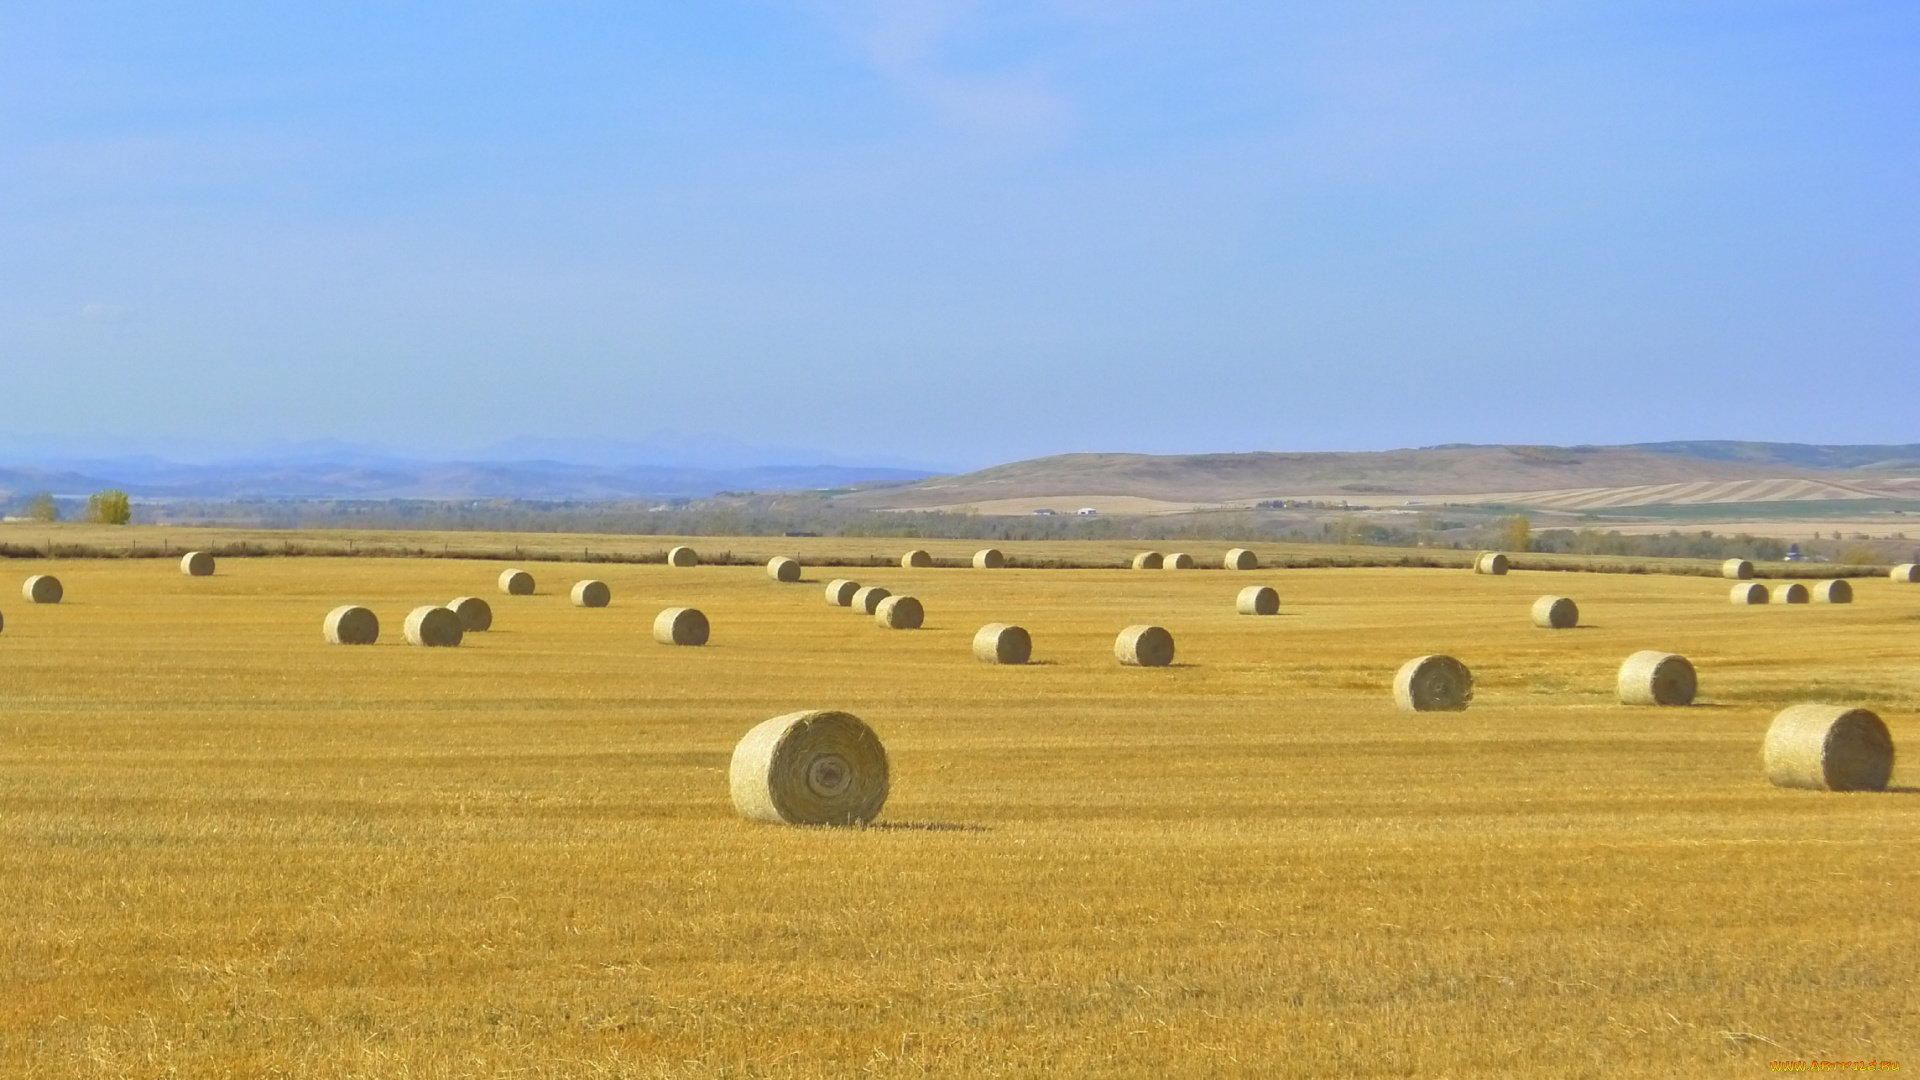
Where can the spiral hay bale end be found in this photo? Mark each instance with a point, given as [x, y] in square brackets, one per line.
[1837, 591]
[783, 569]
[1492, 562]
[809, 768]
[1257, 600]
[591, 593]
[1178, 560]
[1433, 684]
[476, 615]
[1906, 573]
[434, 627]
[867, 599]
[1144, 646]
[916, 560]
[1651, 677]
[1556, 613]
[1148, 560]
[989, 559]
[516, 582]
[1749, 592]
[683, 556]
[681, 626]
[1002, 643]
[351, 624]
[840, 592]
[1242, 559]
[1790, 592]
[196, 564]
[42, 589]
[1738, 569]
[1828, 748]
[899, 613]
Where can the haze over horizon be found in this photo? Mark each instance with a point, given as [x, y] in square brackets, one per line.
[951, 234]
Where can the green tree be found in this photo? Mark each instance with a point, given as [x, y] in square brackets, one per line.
[109, 507]
[42, 507]
[1516, 533]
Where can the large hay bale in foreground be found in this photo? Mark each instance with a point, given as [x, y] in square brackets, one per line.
[1906, 573]
[42, 589]
[1556, 613]
[1433, 684]
[916, 560]
[350, 624]
[1738, 569]
[1651, 677]
[1148, 560]
[591, 593]
[516, 582]
[809, 768]
[1257, 600]
[1242, 559]
[433, 626]
[1178, 560]
[840, 592]
[1143, 646]
[783, 569]
[196, 564]
[867, 600]
[683, 556]
[1828, 748]
[1836, 591]
[1492, 562]
[681, 626]
[1790, 592]
[989, 559]
[1749, 592]
[899, 613]
[476, 615]
[1002, 643]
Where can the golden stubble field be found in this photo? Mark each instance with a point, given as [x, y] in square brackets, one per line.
[230, 850]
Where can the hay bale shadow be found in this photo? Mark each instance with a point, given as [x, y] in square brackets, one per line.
[929, 826]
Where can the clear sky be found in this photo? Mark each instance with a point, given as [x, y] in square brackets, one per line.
[958, 233]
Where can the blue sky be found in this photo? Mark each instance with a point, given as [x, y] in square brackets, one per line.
[957, 233]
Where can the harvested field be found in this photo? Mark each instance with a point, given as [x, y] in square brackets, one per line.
[250, 853]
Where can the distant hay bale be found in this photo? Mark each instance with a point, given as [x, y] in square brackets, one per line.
[516, 582]
[1828, 748]
[989, 559]
[1433, 684]
[591, 593]
[681, 626]
[868, 599]
[900, 613]
[1556, 613]
[1257, 600]
[783, 569]
[476, 615]
[683, 556]
[1242, 559]
[434, 627]
[351, 625]
[840, 592]
[1790, 592]
[1148, 560]
[809, 768]
[1906, 573]
[1651, 677]
[916, 560]
[1492, 562]
[1837, 591]
[1002, 643]
[196, 564]
[1749, 592]
[1178, 560]
[1143, 646]
[42, 589]
[1738, 569]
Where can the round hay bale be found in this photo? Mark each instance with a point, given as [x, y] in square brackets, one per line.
[1143, 646]
[988, 559]
[1738, 569]
[1178, 560]
[1790, 592]
[476, 615]
[516, 582]
[434, 627]
[681, 626]
[591, 593]
[196, 564]
[900, 613]
[42, 589]
[916, 560]
[868, 599]
[840, 592]
[1556, 613]
[1002, 643]
[683, 556]
[1837, 591]
[1748, 592]
[1906, 573]
[350, 624]
[1148, 560]
[783, 569]
[1433, 684]
[1258, 600]
[1651, 677]
[809, 768]
[1242, 559]
[1828, 748]
[1492, 562]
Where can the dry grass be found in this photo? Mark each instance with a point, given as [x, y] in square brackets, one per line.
[241, 852]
